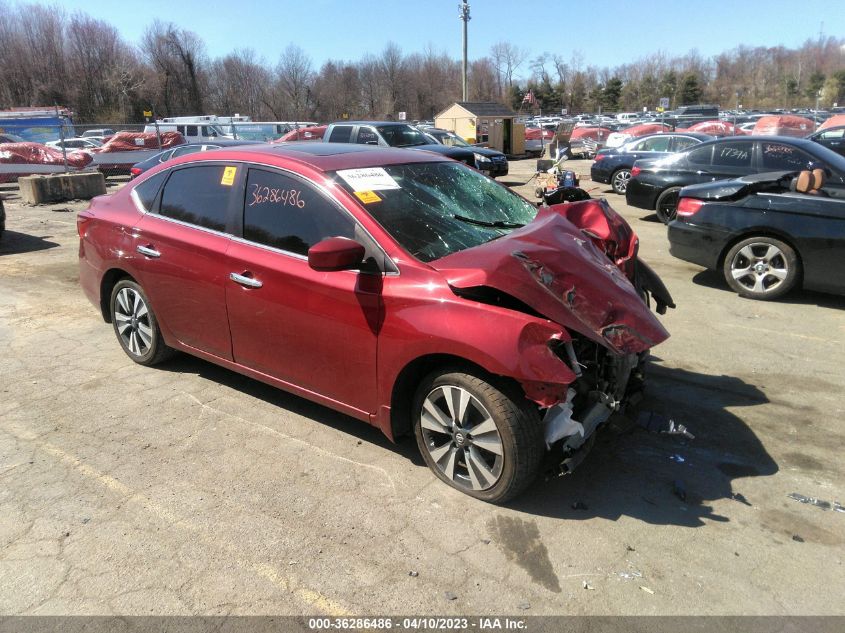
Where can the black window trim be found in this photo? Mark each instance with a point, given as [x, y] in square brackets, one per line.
[386, 266]
[231, 211]
[235, 211]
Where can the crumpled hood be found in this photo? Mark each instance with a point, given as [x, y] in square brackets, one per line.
[558, 270]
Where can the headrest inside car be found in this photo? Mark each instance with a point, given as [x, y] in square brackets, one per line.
[804, 182]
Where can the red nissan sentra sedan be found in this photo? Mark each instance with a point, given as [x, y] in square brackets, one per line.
[399, 287]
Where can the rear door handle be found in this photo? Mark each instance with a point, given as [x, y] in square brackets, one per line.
[147, 251]
[243, 280]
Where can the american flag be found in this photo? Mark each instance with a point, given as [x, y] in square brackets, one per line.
[529, 98]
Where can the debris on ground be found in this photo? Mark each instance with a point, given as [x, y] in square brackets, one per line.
[797, 538]
[587, 585]
[524, 606]
[579, 505]
[449, 595]
[628, 548]
[679, 489]
[824, 505]
[630, 575]
[646, 589]
[657, 423]
[678, 459]
[413, 574]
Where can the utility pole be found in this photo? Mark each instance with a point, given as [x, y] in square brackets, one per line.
[465, 18]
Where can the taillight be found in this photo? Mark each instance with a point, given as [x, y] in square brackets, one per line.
[82, 220]
[689, 206]
[635, 171]
[135, 171]
[599, 157]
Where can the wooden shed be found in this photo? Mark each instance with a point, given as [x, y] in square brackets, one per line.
[484, 122]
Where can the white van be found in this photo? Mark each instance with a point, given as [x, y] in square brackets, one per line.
[197, 129]
[626, 117]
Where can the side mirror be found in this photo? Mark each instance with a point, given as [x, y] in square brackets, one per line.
[335, 253]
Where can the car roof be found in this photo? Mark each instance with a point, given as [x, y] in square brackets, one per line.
[319, 155]
[372, 123]
[795, 140]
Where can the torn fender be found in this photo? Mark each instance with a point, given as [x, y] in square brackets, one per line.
[560, 271]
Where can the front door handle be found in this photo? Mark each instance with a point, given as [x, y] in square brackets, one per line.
[147, 251]
[243, 280]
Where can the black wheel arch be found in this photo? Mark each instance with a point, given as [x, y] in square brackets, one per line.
[412, 374]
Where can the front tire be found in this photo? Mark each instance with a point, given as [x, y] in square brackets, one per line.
[475, 437]
[135, 324]
[761, 268]
[667, 205]
[619, 180]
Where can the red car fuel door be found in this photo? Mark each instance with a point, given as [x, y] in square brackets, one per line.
[314, 330]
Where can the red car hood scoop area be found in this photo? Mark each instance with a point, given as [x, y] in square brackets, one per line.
[558, 270]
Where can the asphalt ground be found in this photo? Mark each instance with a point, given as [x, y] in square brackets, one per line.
[188, 489]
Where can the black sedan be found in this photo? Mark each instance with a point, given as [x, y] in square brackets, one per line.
[490, 161]
[833, 138]
[766, 233]
[655, 184]
[613, 165]
[183, 150]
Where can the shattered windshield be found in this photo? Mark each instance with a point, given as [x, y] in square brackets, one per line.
[435, 209]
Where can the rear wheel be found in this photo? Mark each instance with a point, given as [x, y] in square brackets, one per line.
[135, 324]
[761, 268]
[667, 205]
[475, 437]
[619, 180]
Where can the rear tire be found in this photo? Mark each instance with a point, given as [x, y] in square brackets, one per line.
[762, 268]
[135, 324]
[619, 180]
[475, 437]
[667, 205]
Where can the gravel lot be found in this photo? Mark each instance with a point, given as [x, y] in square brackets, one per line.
[188, 489]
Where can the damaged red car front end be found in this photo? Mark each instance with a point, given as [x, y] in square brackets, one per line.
[576, 265]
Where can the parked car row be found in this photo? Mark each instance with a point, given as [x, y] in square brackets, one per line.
[656, 183]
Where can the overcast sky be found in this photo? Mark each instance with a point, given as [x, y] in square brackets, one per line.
[610, 33]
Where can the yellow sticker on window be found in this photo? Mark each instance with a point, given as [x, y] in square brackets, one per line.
[228, 178]
[367, 197]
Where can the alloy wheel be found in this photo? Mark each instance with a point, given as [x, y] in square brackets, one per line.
[760, 267]
[620, 181]
[132, 319]
[462, 438]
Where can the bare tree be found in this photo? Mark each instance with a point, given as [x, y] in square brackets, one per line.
[294, 81]
[507, 58]
[178, 57]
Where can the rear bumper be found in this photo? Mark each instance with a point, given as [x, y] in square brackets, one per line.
[696, 244]
[641, 195]
[599, 174]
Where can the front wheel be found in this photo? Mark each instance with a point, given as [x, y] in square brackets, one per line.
[135, 324]
[761, 268]
[667, 205]
[475, 437]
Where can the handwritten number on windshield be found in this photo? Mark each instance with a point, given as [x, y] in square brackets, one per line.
[261, 194]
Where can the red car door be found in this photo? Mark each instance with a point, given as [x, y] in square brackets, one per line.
[315, 330]
[180, 249]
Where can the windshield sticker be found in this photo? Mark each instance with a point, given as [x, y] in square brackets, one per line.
[367, 197]
[228, 178]
[368, 179]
